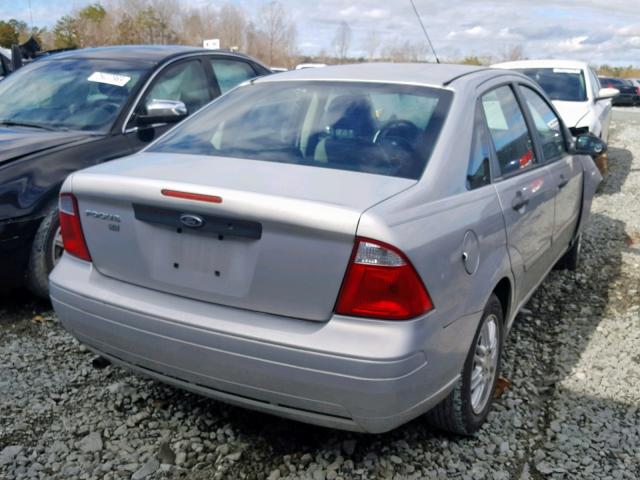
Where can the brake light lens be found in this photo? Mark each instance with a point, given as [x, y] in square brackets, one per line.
[72, 236]
[191, 196]
[381, 283]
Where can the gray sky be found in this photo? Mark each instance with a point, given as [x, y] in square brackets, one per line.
[598, 31]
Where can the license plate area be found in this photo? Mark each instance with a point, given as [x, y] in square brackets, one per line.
[217, 257]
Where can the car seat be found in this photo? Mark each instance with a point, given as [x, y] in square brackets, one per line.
[350, 127]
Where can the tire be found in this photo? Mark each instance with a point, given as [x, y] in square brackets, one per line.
[571, 260]
[43, 258]
[460, 412]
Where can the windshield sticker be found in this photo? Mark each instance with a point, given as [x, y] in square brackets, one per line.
[566, 70]
[109, 78]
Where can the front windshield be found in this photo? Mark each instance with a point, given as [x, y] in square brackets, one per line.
[75, 94]
[364, 127]
[565, 84]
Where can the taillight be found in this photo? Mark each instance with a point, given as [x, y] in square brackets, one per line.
[381, 283]
[72, 235]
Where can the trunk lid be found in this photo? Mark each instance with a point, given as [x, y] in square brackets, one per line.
[279, 241]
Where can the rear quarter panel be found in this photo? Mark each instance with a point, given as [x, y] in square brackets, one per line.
[429, 221]
[431, 234]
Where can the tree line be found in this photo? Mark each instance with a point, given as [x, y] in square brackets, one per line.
[269, 34]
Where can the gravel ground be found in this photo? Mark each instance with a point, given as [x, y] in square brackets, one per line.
[573, 410]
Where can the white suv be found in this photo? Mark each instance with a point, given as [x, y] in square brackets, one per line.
[575, 91]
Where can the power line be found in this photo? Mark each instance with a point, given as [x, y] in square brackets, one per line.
[425, 31]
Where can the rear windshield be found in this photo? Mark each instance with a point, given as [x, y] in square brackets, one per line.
[566, 84]
[375, 128]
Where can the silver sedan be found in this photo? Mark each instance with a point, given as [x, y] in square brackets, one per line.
[346, 246]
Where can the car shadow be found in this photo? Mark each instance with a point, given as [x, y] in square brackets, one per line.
[19, 303]
[620, 160]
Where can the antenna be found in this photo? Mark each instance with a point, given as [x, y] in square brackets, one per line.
[425, 31]
[30, 14]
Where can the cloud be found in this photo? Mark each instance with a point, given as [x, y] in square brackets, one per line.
[599, 31]
[507, 34]
[353, 13]
[475, 32]
[633, 42]
[376, 13]
[575, 44]
[629, 31]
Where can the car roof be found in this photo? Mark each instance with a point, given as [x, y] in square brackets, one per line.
[427, 74]
[550, 63]
[148, 53]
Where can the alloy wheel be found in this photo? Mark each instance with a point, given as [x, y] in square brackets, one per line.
[57, 247]
[485, 364]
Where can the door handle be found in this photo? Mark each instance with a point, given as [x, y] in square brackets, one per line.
[519, 202]
[563, 182]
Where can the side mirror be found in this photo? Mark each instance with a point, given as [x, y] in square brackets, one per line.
[163, 111]
[589, 144]
[605, 93]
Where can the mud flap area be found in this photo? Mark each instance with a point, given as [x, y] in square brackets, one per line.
[591, 180]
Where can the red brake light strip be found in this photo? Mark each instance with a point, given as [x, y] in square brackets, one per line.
[191, 196]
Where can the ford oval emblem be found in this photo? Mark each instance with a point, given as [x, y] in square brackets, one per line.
[191, 221]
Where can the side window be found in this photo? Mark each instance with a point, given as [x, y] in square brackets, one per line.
[547, 124]
[479, 173]
[185, 82]
[508, 130]
[231, 73]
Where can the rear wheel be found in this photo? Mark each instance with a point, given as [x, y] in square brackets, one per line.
[466, 408]
[46, 251]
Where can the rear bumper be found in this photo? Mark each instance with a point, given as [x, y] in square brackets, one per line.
[346, 373]
[626, 100]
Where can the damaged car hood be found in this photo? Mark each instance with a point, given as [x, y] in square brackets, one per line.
[572, 112]
[18, 142]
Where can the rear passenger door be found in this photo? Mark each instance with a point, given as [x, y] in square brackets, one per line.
[564, 168]
[524, 188]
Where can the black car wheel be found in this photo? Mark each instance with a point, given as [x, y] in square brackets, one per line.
[466, 408]
[46, 251]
